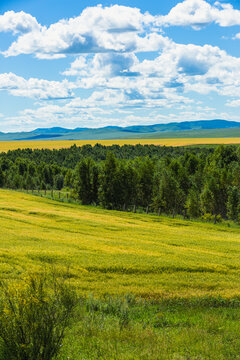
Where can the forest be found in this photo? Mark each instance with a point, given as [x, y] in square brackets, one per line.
[195, 182]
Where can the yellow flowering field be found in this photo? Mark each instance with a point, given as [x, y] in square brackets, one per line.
[59, 144]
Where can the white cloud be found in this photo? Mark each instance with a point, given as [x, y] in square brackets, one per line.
[73, 114]
[178, 69]
[106, 65]
[35, 88]
[109, 29]
[98, 29]
[122, 79]
[123, 85]
[236, 37]
[18, 22]
[189, 12]
[79, 113]
[233, 103]
[199, 13]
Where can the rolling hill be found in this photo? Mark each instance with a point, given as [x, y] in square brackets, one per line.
[186, 129]
[120, 252]
[149, 287]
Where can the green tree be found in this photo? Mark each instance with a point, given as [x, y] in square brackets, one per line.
[86, 181]
[59, 181]
[109, 183]
[233, 203]
[145, 181]
[48, 175]
[68, 180]
[31, 169]
[169, 196]
[94, 170]
[209, 199]
[193, 204]
[2, 178]
[126, 183]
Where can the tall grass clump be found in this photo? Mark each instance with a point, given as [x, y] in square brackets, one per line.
[33, 317]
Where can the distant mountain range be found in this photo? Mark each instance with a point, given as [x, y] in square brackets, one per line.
[185, 129]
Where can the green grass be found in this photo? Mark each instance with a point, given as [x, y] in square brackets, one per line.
[117, 252]
[182, 278]
[125, 329]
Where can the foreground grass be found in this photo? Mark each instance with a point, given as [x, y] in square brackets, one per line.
[115, 252]
[182, 277]
[59, 144]
[128, 329]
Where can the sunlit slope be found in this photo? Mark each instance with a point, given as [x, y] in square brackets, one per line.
[115, 252]
[58, 144]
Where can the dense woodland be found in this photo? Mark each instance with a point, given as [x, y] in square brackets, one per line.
[194, 182]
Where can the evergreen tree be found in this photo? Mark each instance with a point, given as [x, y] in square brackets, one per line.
[2, 178]
[109, 185]
[145, 181]
[58, 182]
[233, 203]
[169, 197]
[82, 184]
[29, 182]
[94, 183]
[68, 180]
[208, 200]
[214, 193]
[193, 204]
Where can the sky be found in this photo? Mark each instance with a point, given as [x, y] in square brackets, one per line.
[73, 63]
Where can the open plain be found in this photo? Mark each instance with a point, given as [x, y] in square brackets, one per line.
[117, 252]
[59, 144]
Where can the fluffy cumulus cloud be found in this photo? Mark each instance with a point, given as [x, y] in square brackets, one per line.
[111, 68]
[177, 70]
[18, 22]
[108, 65]
[98, 29]
[121, 82]
[199, 13]
[108, 29]
[35, 88]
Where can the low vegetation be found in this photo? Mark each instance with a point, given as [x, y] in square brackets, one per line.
[130, 329]
[34, 316]
[161, 288]
[104, 251]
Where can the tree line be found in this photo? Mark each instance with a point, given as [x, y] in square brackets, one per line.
[190, 181]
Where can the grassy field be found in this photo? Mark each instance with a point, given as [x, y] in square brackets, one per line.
[173, 285]
[116, 252]
[59, 144]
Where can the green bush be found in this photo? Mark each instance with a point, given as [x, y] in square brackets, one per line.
[211, 218]
[208, 217]
[33, 317]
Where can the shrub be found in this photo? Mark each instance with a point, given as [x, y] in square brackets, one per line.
[208, 217]
[34, 317]
[212, 218]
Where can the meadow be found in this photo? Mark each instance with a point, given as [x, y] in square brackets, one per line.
[151, 287]
[59, 144]
[117, 252]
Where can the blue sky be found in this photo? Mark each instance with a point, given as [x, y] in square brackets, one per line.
[78, 63]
